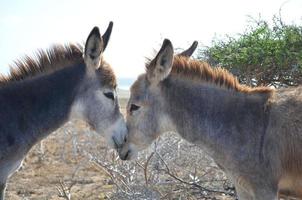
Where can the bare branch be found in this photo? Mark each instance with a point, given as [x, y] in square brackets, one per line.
[168, 171]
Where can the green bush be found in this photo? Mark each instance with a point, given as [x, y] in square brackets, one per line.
[263, 55]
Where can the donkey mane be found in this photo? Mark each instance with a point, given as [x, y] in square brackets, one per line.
[202, 72]
[44, 61]
[47, 61]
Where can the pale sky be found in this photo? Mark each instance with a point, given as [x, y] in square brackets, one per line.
[139, 26]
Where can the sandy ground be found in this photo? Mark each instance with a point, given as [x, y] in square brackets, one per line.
[43, 174]
[57, 165]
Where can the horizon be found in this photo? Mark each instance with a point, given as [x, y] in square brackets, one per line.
[139, 27]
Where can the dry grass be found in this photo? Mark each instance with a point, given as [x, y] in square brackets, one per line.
[76, 164]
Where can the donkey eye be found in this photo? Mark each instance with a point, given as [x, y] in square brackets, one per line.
[134, 107]
[109, 95]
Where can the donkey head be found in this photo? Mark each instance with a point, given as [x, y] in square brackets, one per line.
[96, 101]
[146, 116]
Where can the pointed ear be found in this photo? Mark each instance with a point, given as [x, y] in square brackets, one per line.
[93, 49]
[107, 35]
[190, 50]
[160, 67]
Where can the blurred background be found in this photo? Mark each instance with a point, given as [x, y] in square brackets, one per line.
[139, 26]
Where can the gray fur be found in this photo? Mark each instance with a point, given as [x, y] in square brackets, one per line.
[33, 108]
[189, 52]
[254, 137]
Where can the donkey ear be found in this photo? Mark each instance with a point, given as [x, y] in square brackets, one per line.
[107, 35]
[160, 67]
[190, 50]
[93, 49]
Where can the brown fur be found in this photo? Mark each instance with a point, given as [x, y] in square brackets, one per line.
[290, 186]
[50, 60]
[108, 76]
[254, 134]
[195, 70]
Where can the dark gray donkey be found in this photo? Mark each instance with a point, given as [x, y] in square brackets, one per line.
[62, 83]
[253, 134]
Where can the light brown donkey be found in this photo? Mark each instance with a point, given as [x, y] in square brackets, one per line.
[253, 134]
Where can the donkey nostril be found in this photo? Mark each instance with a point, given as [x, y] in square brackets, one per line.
[127, 155]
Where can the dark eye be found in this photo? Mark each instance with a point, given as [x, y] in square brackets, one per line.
[134, 107]
[109, 95]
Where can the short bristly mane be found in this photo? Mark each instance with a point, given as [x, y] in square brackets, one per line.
[55, 58]
[196, 70]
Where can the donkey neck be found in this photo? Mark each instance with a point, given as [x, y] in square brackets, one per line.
[39, 105]
[224, 122]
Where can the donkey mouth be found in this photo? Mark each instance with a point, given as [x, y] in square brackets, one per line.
[126, 156]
